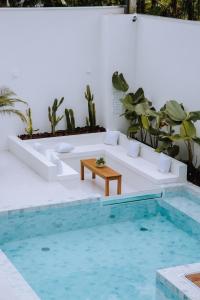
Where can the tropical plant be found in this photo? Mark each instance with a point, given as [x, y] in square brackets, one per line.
[29, 128]
[52, 114]
[135, 107]
[7, 102]
[178, 116]
[69, 114]
[91, 119]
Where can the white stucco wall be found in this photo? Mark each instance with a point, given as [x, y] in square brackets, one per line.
[118, 54]
[168, 61]
[48, 53]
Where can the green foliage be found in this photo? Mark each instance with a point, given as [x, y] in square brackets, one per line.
[52, 114]
[7, 102]
[119, 82]
[100, 161]
[69, 114]
[182, 9]
[91, 120]
[29, 128]
[51, 3]
[161, 129]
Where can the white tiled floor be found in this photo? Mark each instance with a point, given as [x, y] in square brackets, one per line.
[21, 187]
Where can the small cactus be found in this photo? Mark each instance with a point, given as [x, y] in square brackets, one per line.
[52, 111]
[69, 114]
[29, 128]
[91, 120]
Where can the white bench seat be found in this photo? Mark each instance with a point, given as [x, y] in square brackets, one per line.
[139, 165]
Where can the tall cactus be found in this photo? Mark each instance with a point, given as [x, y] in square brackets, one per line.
[91, 121]
[69, 114]
[29, 128]
[52, 112]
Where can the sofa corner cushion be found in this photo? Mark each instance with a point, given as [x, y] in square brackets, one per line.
[164, 163]
[111, 138]
[134, 148]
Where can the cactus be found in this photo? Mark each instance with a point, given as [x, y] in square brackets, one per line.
[69, 114]
[54, 120]
[29, 129]
[91, 120]
[87, 122]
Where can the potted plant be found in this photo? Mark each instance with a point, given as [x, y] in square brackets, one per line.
[100, 162]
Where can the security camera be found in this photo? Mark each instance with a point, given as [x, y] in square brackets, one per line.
[134, 19]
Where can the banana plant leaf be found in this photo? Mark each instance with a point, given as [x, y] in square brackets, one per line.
[119, 82]
[194, 116]
[175, 111]
[141, 108]
[187, 129]
[139, 96]
[145, 122]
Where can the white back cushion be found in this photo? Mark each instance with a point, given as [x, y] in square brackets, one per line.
[164, 163]
[64, 148]
[111, 138]
[133, 149]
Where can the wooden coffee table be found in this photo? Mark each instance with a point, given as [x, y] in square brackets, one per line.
[106, 173]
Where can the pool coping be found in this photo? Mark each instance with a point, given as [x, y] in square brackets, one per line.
[15, 285]
[174, 280]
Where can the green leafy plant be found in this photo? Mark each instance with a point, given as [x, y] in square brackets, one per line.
[29, 128]
[7, 102]
[100, 162]
[52, 113]
[178, 116]
[69, 114]
[91, 119]
[119, 82]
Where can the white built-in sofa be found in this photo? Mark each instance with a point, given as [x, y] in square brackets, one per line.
[85, 145]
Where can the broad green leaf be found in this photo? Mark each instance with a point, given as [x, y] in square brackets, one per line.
[194, 116]
[119, 82]
[187, 129]
[145, 122]
[175, 111]
[141, 108]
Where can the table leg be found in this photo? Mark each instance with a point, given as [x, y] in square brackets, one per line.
[119, 185]
[82, 171]
[93, 175]
[107, 187]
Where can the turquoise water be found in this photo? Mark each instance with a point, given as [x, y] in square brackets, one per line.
[91, 251]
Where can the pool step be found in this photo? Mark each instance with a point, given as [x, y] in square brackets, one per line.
[185, 205]
[117, 200]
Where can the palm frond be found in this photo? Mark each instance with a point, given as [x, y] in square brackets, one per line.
[16, 112]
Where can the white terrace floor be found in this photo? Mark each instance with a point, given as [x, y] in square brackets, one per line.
[21, 187]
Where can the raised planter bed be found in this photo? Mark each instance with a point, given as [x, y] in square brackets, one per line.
[78, 130]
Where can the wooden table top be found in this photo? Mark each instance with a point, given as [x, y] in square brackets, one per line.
[195, 278]
[105, 172]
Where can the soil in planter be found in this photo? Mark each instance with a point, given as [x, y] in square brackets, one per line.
[78, 130]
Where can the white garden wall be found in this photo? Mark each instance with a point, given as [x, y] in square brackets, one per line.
[168, 61]
[48, 53]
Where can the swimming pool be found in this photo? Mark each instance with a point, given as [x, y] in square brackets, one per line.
[103, 250]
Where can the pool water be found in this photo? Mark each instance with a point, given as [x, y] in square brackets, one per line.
[113, 255]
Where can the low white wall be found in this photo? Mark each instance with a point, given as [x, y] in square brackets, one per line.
[48, 53]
